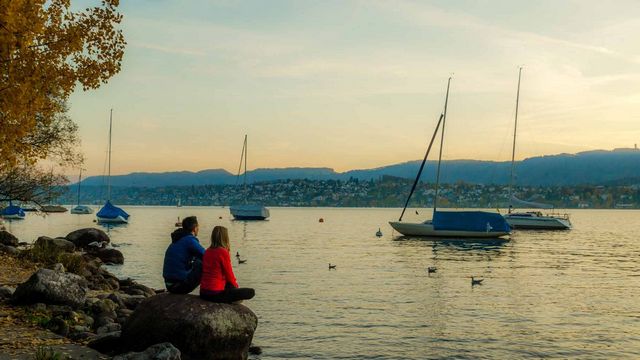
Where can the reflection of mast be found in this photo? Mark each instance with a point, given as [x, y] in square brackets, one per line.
[244, 231]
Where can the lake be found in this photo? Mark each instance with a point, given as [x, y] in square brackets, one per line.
[545, 294]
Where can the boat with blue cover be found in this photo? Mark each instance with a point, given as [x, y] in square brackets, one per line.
[451, 224]
[111, 214]
[13, 212]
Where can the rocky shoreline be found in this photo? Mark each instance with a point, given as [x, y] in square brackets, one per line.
[62, 287]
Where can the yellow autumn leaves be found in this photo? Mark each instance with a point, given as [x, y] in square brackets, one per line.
[46, 51]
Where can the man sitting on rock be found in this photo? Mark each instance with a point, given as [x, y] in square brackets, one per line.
[183, 259]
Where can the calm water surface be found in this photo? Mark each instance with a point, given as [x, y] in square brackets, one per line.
[546, 294]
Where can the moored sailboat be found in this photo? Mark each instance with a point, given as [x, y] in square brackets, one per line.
[247, 211]
[451, 224]
[13, 212]
[81, 209]
[109, 213]
[534, 220]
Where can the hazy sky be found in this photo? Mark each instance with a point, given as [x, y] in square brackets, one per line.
[361, 84]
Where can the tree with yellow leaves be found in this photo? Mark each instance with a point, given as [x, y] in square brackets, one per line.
[47, 50]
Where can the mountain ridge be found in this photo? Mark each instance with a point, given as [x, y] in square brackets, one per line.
[587, 167]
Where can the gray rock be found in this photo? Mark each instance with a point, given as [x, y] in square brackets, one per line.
[132, 301]
[109, 343]
[6, 292]
[51, 287]
[7, 238]
[83, 237]
[163, 351]
[108, 328]
[200, 329]
[58, 267]
[58, 326]
[108, 256]
[57, 243]
[11, 250]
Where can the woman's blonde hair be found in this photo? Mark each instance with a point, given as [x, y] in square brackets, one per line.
[220, 238]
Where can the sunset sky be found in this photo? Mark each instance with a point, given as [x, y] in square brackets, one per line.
[360, 84]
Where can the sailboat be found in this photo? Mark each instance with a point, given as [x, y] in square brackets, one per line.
[13, 212]
[247, 211]
[111, 214]
[81, 209]
[530, 219]
[451, 224]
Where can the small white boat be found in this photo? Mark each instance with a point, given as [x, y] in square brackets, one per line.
[249, 212]
[536, 220]
[81, 210]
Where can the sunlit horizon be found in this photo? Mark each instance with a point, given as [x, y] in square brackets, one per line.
[353, 85]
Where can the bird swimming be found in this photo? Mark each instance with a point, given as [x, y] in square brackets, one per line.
[378, 233]
[237, 254]
[332, 267]
[431, 269]
[240, 261]
[475, 281]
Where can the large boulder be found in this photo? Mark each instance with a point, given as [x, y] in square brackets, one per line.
[107, 256]
[199, 328]
[52, 287]
[7, 238]
[164, 351]
[83, 237]
[57, 243]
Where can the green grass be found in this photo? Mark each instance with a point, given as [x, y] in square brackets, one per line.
[48, 254]
[46, 353]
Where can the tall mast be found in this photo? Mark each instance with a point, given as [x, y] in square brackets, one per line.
[513, 150]
[109, 167]
[246, 150]
[444, 120]
[79, 180]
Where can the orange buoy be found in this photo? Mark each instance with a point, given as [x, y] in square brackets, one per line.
[321, 220]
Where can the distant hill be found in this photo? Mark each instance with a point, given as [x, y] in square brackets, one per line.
[591, 167]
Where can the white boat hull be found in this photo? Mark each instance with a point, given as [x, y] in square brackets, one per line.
[249, 212]
[13, 217]
[426, 229]
[117, 220]
[81, 210]
[538, 222]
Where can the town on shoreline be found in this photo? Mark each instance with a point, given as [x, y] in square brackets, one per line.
[387, 191]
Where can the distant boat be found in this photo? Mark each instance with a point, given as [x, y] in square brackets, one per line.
[53, 209]
[111, 214]
[247, 211]
[81, 209]
[458, 224]
[179, 204]
[534, 220]
[13, 212]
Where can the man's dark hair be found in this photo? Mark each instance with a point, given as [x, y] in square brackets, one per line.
[189, 223]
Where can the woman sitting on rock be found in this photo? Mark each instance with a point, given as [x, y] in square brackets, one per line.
[218, 284]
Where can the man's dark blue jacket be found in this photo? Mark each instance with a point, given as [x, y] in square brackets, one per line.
[180, 254]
